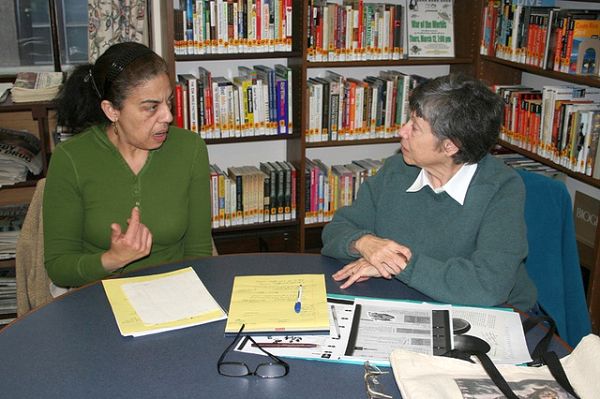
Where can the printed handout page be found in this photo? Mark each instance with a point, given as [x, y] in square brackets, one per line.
[381, 326]
[370, 329]
[162, 302]
[501, 329]
[267, 304]
[384, 326]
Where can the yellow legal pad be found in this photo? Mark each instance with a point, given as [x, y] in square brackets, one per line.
[267, 304]
[161, 302]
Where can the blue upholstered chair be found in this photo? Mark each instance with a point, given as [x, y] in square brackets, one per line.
[553, 261]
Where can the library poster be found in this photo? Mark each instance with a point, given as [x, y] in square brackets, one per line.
[430, 28]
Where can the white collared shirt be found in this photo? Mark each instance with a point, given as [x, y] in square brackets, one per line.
[456, 187]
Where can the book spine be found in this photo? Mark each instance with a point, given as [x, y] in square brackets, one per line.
[179, 105]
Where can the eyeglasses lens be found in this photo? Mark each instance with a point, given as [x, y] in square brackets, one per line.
[270, 370]
[233, 369]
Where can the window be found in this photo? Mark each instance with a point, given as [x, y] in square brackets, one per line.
[26, 29]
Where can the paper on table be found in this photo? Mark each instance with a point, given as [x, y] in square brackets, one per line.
[175, 297]
[501, 329]
[161, 302]
[383, 326]
[328, 347]
[265, 304]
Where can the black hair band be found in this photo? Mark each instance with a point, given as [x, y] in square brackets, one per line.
[117, 66]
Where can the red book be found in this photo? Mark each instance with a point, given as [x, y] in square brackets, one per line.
[560, 33]
[259, 21]
[178, 105]
[360, 26]
[564, 62]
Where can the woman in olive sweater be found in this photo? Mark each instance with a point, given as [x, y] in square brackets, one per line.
[445, 217]
[128, 190]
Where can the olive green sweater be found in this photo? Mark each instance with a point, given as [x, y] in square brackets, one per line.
[89, 186]
[471, 254]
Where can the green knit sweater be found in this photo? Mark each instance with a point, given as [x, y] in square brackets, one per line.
[471, 254]
[89, 186]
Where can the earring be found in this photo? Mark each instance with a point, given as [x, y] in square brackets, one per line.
[115, 128]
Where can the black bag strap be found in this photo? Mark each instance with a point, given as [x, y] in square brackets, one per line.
[491, 369]
[550, 358]
[558, 372]
[540, 356]
[543, 345]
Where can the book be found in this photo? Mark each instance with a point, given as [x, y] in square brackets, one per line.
[36, 86]
[190, 82]
[576, 24]
[583, 29]
[431, 29]
[265, 304]
[161, 302]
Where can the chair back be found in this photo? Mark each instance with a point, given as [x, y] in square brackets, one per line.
[553, 260]
[33, 283]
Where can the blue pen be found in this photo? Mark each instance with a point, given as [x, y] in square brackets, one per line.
[298, 304]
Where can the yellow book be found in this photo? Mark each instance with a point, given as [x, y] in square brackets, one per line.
[161, 302]
[278, 304]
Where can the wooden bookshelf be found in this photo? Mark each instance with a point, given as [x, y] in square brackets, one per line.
[465, 37]
[500, 71]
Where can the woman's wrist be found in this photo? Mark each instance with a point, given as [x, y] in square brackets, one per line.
[110, 262]
[357, 246]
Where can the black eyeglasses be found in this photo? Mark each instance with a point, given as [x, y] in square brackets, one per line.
[276, 369]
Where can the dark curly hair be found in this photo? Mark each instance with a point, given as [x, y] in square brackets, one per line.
[117, 71]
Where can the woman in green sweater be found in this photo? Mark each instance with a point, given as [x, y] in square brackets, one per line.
[444, 217]
[128, 190]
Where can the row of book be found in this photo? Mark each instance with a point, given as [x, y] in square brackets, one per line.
[560, 123]
[342, 108]
[518, 161]
[256, 102]
[545, 37]
[248, 194]
[232, 26]
[358, 30]
[355, 31]
[329, 188]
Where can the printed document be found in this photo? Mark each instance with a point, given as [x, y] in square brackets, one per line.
[382, 325]
[501, 329]
[161, 302]
[369, 334]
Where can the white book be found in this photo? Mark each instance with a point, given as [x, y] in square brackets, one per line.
[389, 97]
[517, 12]
[550, 94]
[312, 113]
